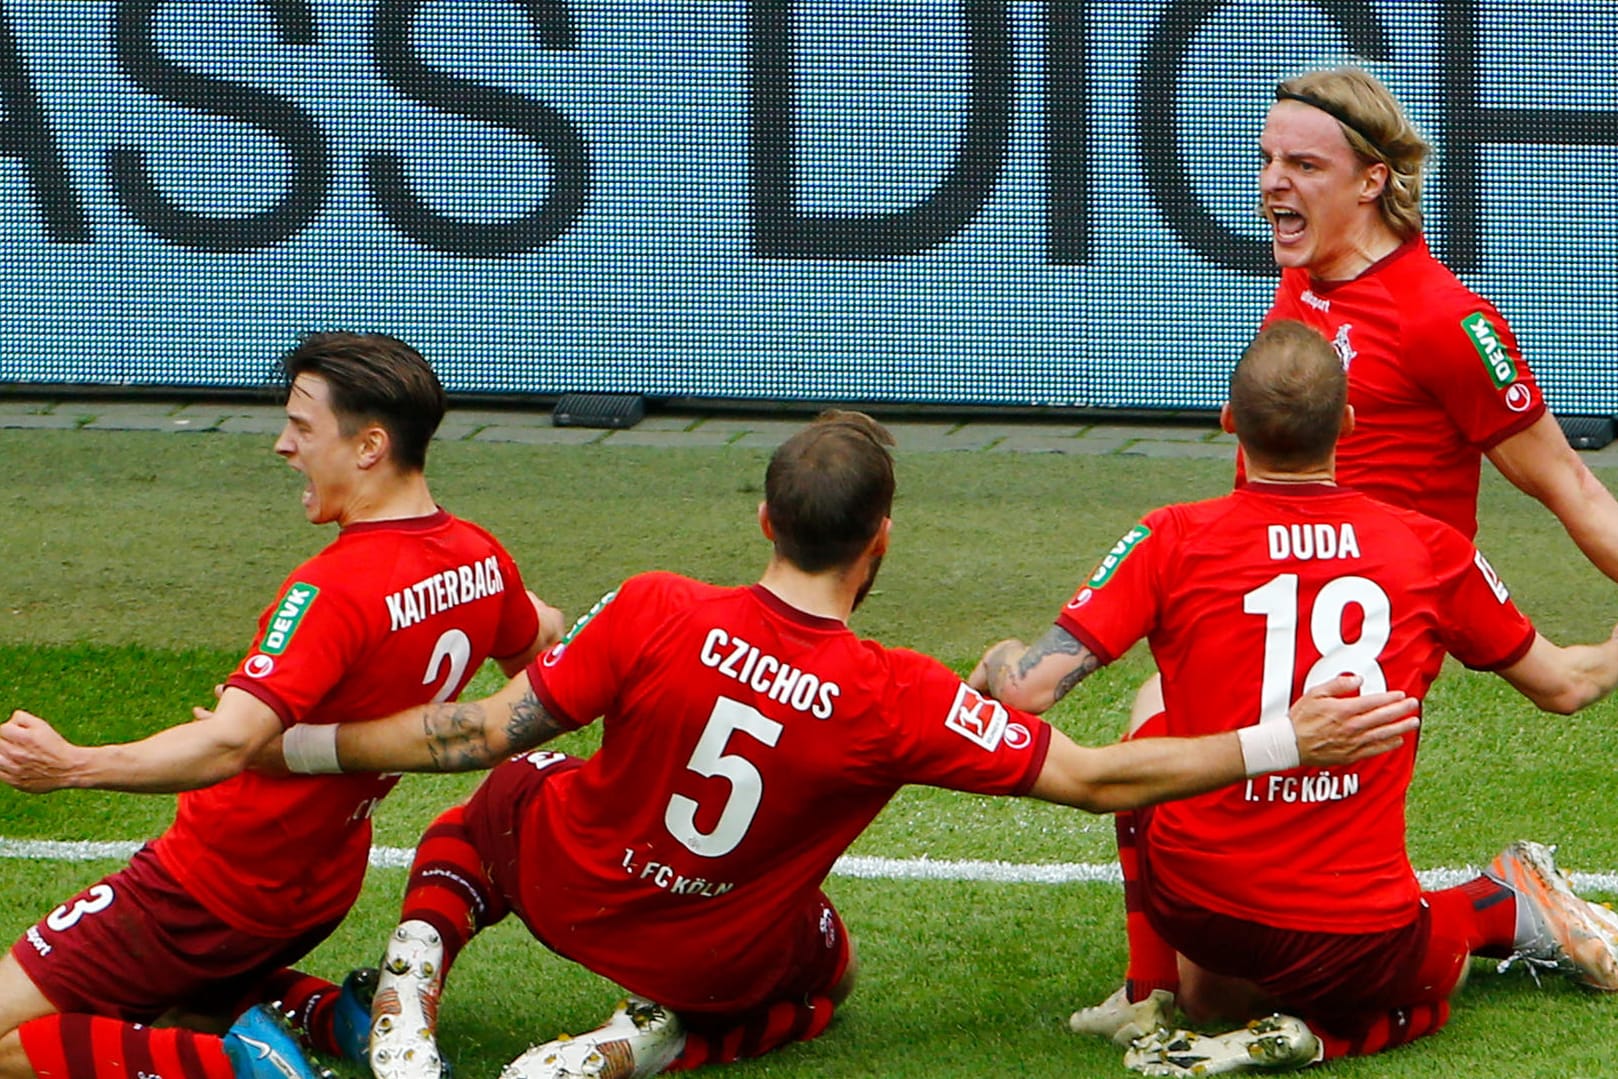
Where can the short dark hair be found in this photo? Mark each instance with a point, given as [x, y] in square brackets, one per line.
[1287, 395]
[377, 379]
[828, 489]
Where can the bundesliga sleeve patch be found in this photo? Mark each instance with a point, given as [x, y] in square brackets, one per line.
[978, 718]
[288, 614]
[1496, 357]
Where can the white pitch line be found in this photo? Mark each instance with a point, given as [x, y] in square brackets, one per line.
[860, 866]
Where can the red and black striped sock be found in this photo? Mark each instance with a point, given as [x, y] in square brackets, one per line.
[92, 1047]
[448, 888]
[782, 1023]
[1484, 909]
[1398, 1027]
[1153, 962]
[308, 1001]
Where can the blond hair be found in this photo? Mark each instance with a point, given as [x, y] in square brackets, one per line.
[1377, 129]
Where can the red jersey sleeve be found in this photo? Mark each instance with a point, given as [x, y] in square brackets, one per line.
[576, 680]
[1117, 605]
[946, 734]
[1481, 626]
[519, 623]
[1469, 363]
[308, 639]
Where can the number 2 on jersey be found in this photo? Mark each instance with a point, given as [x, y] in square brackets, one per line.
[455, 648]
[1277, 601]
[746, 785]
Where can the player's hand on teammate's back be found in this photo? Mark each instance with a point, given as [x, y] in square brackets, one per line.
[33, 757]
[1335, 725]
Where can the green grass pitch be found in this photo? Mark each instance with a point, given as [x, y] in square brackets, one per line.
[136, 565]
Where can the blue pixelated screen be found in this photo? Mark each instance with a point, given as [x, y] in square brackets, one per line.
[956, 202]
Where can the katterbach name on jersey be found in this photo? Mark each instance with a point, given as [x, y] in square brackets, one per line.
[441, 591]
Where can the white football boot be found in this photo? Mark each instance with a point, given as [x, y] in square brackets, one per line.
[1278, 1043]
[404, 1012]
[640, 1039]
[1121, 1021]
[1556, 930]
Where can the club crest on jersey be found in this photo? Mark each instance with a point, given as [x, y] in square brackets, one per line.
[1496, 585]
[1486, 339]
[977, 718]
[1115, 557]
[288, 614]
[1339, 344]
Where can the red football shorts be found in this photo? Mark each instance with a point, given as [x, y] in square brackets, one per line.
[815, 942]
[135, 944]
[1341, 980]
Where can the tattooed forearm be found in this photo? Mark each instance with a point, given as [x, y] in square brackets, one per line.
[468, 735]
[1057, 662]
[1088, 663]
[530, 725]
[457, 736]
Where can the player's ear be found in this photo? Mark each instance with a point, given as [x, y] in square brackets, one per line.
[1348, 421]
[1227, 421]
[764, 524]
[373, 446]
[879, 542]
[1375, 182]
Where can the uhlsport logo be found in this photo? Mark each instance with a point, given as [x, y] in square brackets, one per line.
[284, 623]
[1116, 556]
[1486, 339]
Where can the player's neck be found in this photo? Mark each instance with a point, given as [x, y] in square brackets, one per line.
[828, 595]
[1374, 243]
[392, 498]
[1257, 474]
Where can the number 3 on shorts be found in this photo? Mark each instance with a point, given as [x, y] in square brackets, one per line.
[66, 916]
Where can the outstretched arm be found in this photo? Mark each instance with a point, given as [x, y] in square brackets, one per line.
[1327, 729]
[1540, 463]
[457, 736]
[1565, 679]
[1034, 677]
[36, 759]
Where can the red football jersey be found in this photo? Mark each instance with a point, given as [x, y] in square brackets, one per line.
[1247, 601]
[745, 745]
[1434, 376]
[390, 615]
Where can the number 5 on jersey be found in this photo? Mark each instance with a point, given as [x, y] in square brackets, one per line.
[746, 785]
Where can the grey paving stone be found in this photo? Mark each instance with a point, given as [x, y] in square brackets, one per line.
[1035, 443]
[545, 435]
[634, 436]
[253, 422]
[56, 422]
[774, 429]
[134, 416]
[1155, 432]
[668, 423]
[462, 423]
[987, 432]
[935, 437]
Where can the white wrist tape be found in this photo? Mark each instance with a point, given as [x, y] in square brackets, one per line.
[310, 749]
[1266, 747]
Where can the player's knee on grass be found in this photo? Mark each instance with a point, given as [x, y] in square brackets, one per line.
[1208, 998]
[845, 984]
